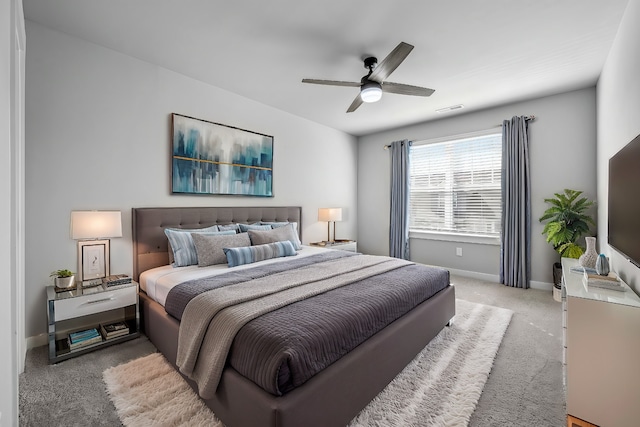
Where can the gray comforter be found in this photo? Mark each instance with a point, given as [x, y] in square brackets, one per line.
[290, 343]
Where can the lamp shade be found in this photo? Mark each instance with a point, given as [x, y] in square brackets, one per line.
[95, 224]
[330, 214]
[371, 92]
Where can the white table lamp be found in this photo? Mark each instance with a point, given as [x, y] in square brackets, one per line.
[93, 229]
[330, 215]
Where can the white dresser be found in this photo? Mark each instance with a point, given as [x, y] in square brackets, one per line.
[601, 336]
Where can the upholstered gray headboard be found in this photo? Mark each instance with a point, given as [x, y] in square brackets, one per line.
[150, 243]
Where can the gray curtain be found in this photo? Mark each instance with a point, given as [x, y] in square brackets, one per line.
[515, 247]
[399, 226]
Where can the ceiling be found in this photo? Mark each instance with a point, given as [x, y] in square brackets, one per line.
[476, 53]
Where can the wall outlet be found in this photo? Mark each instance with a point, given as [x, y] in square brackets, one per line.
[459, 251]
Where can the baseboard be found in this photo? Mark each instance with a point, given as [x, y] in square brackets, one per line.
[36, 341]
[534, 284]
[475, 275]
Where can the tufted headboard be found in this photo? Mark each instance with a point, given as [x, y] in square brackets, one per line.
[150, 247]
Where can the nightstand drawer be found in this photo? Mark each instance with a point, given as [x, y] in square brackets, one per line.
[342, 245]
[94, 303]
[349, 247]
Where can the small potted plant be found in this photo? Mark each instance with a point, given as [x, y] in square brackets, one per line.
[567, 222]
[63, 279]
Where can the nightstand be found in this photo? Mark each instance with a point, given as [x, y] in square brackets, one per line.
[342, 245]
[80, 309]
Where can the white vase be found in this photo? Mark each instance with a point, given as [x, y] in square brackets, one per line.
[590, 256]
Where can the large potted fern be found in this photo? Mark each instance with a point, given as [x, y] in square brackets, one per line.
[567, 222]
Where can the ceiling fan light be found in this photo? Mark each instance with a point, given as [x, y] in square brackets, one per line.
[371, 92]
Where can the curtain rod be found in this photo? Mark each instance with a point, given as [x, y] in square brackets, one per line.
[527, 118]
[530, 117]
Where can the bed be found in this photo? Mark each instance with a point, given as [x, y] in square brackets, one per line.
[333, 396]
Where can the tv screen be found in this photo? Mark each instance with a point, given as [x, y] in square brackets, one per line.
[624, 201]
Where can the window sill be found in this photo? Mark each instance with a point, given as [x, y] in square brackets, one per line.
[450, 237]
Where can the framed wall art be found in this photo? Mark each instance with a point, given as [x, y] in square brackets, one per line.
[93, 259]
[211, 158]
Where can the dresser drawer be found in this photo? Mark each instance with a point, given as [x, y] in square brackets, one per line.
[94, 303]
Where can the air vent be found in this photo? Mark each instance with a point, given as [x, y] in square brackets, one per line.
[451, 108]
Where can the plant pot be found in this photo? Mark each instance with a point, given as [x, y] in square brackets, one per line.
[557, 274]
[64, 282]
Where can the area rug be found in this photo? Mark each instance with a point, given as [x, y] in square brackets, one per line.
[440, 387]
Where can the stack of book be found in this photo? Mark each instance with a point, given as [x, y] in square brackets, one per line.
[116, 279]
[114, 330]
[610, 281]
[84, 338]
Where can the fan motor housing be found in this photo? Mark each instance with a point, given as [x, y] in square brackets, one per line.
[370, 62]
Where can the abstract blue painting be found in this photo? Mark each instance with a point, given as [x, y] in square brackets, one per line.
[210, 158]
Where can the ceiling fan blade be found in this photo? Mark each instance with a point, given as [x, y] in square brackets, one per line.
[403, 89]
[355, 104]
[331, 82]
[391, 62]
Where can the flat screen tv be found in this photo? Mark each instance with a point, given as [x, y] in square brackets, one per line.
[624, 201]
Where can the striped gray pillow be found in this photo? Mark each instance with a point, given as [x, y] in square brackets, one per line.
[256, 226]
[226, 227]
[249, 254]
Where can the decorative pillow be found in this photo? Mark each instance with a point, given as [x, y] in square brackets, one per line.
[211, 228]
[282, 224]
[249, 254]
[260, 237]
[181, 249]
[256, 226]
[227, 227]
[210, 248]
[276, 224]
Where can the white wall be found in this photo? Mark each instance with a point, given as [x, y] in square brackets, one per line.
[562, 154]
[10, 44]
[618, 93]
[97, 137]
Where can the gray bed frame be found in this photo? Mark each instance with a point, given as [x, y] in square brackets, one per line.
[332, 397]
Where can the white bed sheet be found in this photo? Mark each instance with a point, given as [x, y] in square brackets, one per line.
[158, 281]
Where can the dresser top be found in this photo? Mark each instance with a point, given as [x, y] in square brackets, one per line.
[575, 287]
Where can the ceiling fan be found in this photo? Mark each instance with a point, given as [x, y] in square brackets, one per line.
[373, 84]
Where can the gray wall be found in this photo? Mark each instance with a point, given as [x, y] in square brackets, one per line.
[97, 137]
[562, 153]
[618, 92]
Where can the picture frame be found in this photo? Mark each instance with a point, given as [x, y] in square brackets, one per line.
[93, 259]
[216, 159]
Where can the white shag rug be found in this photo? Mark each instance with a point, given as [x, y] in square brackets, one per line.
[440, 387]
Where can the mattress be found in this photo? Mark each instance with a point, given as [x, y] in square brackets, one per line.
[157, 282]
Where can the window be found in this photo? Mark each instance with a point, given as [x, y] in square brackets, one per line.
[456, 185]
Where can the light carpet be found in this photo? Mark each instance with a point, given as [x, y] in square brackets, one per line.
[440, 387]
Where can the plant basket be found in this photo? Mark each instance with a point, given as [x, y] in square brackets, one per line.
[557, 275]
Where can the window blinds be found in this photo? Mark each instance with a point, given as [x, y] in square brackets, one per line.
[455, 186]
